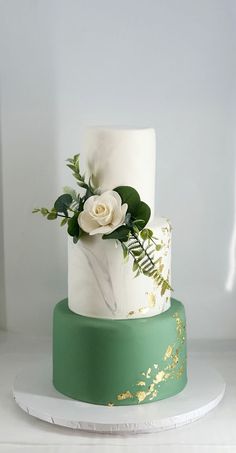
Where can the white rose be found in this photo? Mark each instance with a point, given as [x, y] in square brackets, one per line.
[103, 213]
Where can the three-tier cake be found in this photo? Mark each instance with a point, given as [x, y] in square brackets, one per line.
[117, 339]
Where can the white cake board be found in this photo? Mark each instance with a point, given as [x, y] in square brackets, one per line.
[34, 393]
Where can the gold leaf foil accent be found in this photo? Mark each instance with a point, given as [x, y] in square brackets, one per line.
[180, 371]
[175, 359]
[180, 326]
[174, 369]
[141, 395]
[110, 404]
[159, 377]
[141, 383]
[143, 309]
[168, 352]
[151, 387]
[151, 300]
[131, 313]
[154, 394]
[124, 396]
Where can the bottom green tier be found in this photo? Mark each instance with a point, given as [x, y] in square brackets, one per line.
[119, 362]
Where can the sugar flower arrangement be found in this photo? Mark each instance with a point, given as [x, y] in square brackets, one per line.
[117, 214]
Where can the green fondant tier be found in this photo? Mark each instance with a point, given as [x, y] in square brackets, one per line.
[119, 362]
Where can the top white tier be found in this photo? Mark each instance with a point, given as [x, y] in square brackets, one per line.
[124, 157]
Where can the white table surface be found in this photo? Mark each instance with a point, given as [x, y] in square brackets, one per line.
[20, 432]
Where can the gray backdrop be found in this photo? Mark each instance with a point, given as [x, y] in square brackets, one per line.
[165, 64]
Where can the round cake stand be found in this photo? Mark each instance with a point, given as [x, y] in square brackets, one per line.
[34, 393]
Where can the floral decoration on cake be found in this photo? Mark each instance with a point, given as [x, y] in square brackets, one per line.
[117, 214]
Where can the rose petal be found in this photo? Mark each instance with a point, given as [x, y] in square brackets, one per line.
[86, 222]
[111, 196]
[124, 208]
[106, 209]
[117, 216]
[105, 220]
[88, 205]
[101, 230]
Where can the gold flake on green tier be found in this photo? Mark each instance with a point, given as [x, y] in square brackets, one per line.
[174, 369]
[180, 371]
[141, 383]
[180, 325]
[110, 404]
[175, 359]
[141, 395]
[154, 394]
[168, 352]
[151, 387]
[159, 377]
[124, 395]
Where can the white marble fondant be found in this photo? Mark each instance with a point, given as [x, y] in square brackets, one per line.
[125, 157]
[102, 285]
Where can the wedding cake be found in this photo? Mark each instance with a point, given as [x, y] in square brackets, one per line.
[119, 338]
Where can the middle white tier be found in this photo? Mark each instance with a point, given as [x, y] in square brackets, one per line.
[102, 285]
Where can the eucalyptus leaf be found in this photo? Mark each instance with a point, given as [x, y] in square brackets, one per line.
[142, 212]
[70, 191]
[63, 203]
[73, 226]
[64, 221]
[121, 233]
[44, 211]
[52, 216]
[130, 196]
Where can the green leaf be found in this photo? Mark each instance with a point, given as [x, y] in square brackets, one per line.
[125, 251]
[70, 191]
[52, 216]
[44, 211]
[64, 221]
[137, 252]
[136, 229]
[121, 233]
[141, 256]
[130, 196]
[142, 212]
[158, 247]
[137, 273]
[146, 234]
[35, 210]
[73, 226]
[88, 193]
[139, 223]
[63, 203]
[135, 266]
